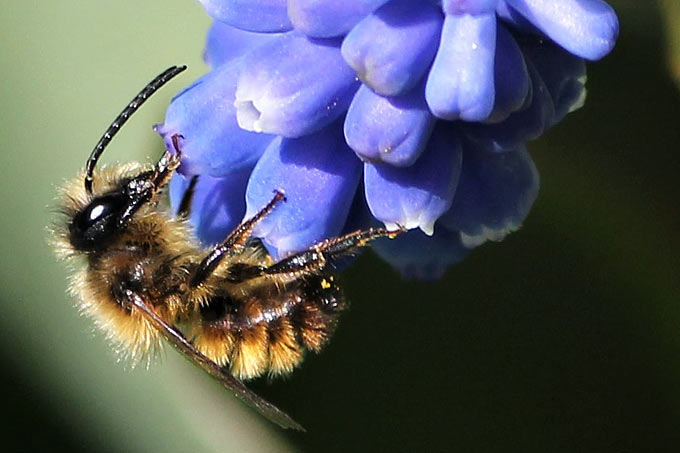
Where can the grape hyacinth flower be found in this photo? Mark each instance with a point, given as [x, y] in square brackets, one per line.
[410, 113]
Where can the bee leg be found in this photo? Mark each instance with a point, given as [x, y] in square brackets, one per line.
[184, 209]
[177, 339]
[234, 243]
[319, 255]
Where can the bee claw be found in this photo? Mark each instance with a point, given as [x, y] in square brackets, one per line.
[280, 194]
[175, 144]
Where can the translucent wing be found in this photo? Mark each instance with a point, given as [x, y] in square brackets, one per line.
[179, 341]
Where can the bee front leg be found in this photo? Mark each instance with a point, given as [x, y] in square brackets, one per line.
[234, 243]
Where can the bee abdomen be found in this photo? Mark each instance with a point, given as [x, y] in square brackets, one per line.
[269, 335]
[315, 319]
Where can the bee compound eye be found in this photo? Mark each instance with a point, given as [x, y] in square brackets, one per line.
[100, 208]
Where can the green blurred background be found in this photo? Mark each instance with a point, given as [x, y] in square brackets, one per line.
[565, 337]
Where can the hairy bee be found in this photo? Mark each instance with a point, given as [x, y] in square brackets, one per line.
[229, 309]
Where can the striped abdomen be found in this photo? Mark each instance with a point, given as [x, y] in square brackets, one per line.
[269, 330]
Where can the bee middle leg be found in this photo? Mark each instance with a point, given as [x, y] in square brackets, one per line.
[234, 243]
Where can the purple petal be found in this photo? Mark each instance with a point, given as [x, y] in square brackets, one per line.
[391, 49]
[359, 216]
[460, 84]
[293, 86]
[416, 255]
[329, 18]
[563, 74]
[510, 16]
[520, 127]
[176, 188]
[251, 15]
[511, 76]
[218, 203]
[204, 114]
[587, 28]
[415, 196]
[319, 175]
[494, 195]
[474, 7]
[224, 43]
[392, 130]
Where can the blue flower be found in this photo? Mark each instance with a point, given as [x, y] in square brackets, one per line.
[400, 112]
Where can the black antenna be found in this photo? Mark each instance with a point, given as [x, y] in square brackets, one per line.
[131, 108]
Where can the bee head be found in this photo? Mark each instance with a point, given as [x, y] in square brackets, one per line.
[100, 216]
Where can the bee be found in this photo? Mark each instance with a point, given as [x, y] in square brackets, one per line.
[230, 309]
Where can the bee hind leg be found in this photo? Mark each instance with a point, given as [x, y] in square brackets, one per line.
[177, 339]
[319, 255]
